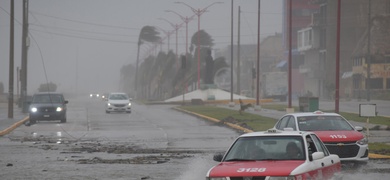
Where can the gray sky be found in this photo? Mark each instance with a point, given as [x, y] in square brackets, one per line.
[82, 44]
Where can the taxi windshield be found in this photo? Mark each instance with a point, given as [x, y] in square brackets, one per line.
[267, 148]
[323, 123]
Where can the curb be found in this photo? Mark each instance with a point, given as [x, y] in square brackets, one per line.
[14, 126]
[378, 156]
[237, 127]
[234, 126]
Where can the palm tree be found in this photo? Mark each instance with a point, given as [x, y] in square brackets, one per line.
[205, 40]
[147, 34]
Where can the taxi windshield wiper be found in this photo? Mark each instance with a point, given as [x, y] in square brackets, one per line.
[269, 159]
[239, 159]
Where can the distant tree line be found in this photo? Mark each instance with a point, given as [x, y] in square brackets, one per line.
[162, 76]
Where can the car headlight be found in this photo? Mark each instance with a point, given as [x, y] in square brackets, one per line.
[363, 141]
[34, 109]
[217, 178]
[108, 104]
[129, 104]
[282, 178]
[59, 109]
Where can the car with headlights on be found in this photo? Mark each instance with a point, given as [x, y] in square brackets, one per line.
[118, 102]
[337, 133]
[276, 155]
[94, 95]
[47, 106]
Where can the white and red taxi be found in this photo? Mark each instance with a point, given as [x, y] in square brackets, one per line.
[268, 156]
[338, 135]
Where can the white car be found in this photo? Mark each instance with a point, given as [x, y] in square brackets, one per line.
[338, 135]
[94, 95]
[118, 102]
[276, 155]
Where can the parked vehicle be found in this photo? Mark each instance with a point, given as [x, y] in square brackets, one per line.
[47, 106]
[338, 135]
[276, 154]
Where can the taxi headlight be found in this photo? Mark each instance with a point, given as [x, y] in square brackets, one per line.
[217, 178]
[59, 109]
[282, 178]
[34, 109]
[363, 141]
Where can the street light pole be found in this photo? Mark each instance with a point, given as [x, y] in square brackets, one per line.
[167, 33]
[176, 27]
[186, 20]
[198, 12]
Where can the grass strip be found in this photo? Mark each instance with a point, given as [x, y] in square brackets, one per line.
[261, 123]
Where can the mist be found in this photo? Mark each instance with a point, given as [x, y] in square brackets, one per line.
[82, 45]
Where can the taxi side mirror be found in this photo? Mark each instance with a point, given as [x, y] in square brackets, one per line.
[218, 157]
[317, 155]
[359, 128]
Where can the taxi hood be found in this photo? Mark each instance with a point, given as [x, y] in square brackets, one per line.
[337, 136]
[254, 168]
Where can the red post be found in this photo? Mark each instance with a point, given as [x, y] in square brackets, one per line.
[337, 58]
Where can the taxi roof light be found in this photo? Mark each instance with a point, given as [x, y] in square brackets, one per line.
[273, 130]
[318, 112]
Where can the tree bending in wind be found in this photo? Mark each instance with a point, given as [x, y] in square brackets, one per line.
[147, 34]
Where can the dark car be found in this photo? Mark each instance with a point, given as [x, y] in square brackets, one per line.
[47, 106]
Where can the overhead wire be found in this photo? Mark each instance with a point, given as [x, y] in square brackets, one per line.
[85, 22]
[43, 66]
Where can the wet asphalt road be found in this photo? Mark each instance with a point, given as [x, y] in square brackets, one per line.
[95, 145]
[153, 142]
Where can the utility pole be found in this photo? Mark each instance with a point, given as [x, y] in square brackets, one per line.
[368, 87]
[238, 54]
[337, 92]
[24, 54]
[231, 55]
[11, 65]
[289, 53]
[258, 56]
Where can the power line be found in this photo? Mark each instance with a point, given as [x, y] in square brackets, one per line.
[83, 37]
[76, 30]
[84, 22]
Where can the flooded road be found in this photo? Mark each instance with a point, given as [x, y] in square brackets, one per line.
[153, 142]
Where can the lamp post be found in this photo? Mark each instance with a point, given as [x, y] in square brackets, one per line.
[186, 20]
[168, 35]
[176, 27]
[198, 12]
